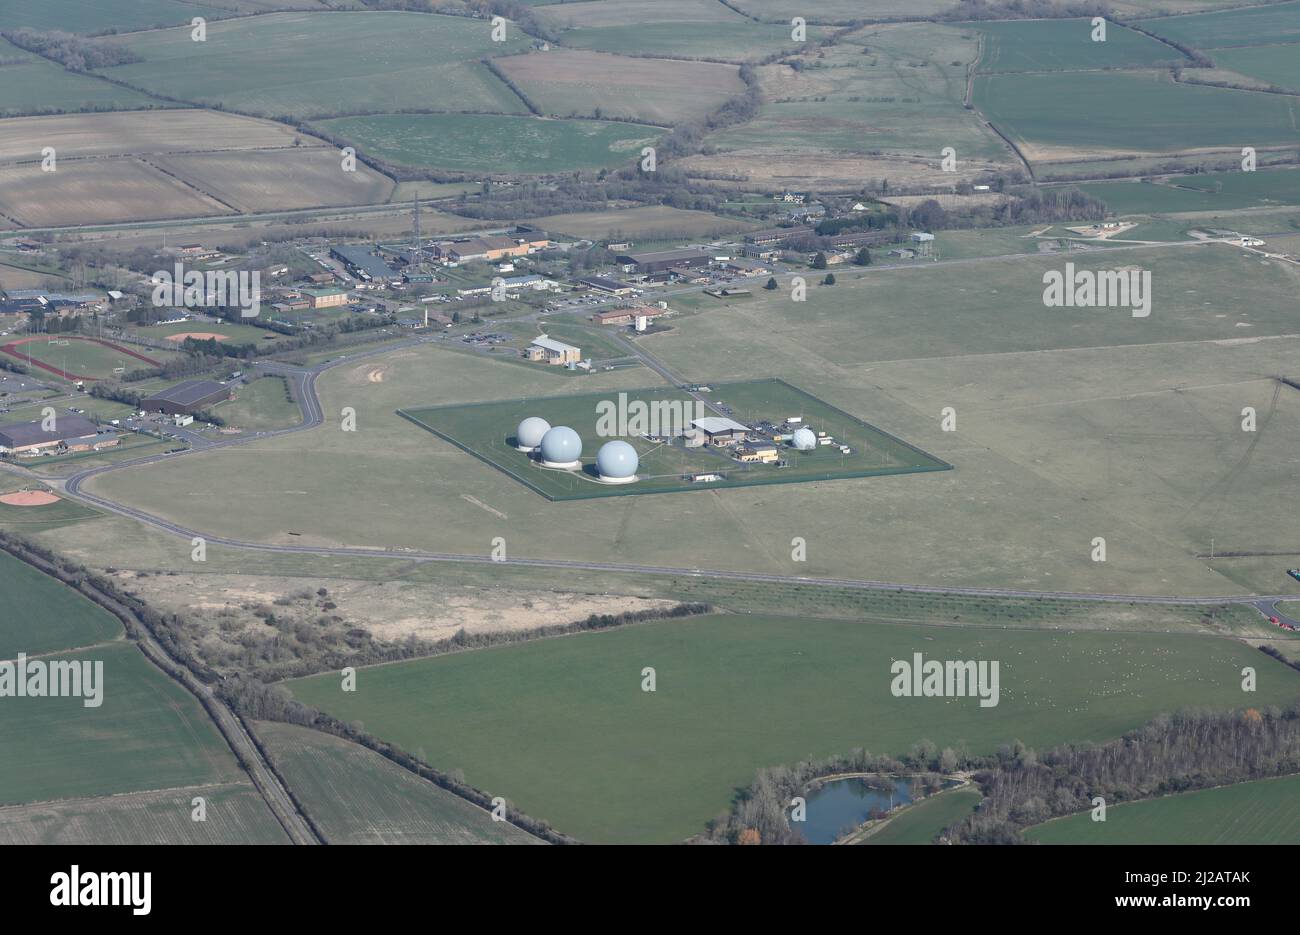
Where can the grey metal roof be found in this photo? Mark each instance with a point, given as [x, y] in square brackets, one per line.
[20, 434]
[187, 393]
[715, 424]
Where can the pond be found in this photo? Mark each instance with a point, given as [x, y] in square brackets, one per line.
[843, 803]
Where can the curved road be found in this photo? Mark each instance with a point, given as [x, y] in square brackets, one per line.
[304, 384]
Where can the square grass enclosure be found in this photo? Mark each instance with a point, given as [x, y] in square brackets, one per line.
[486, 431]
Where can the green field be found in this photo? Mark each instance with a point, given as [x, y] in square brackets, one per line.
[1266, 811]
[562, 729]
[32, 85]
[923, 822]
[1273, 64]
[356, 796]
[236, 814]
[1066, 45]
[42, 614]
[491, 143]
[1256, 25]
[149, 733]
[261, 404]
[79, 16]
[485, 431]
[722, 42]
[323, 64]
[1131, 112]
[1209, 191]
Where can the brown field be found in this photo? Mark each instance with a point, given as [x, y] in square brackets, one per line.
[653, 90]
[827, 169]
[279, 180]
[832, 11]
[197, 336]
[138, 133]
[655, 221]
[236, 814]
[595, 13]
[14, 277]
[97, 192]
[949, 200]
[29, 498]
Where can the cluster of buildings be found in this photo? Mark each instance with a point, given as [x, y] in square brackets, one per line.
[67, 433]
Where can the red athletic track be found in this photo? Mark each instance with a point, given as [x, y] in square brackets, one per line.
[12, 349]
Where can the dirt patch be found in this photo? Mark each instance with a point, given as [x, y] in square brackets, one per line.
[29, 498]
[225, 608]
[376, 375]
[196, 335]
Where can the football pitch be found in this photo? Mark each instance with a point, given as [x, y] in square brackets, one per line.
[486, 430]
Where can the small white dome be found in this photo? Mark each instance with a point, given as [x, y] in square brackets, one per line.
[617, 460]
[530, 432]
[804, 439]
[561, 445]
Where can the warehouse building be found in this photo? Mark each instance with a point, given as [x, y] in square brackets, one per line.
[186, 398]
[720, 430]
[659, 260]
[325, 298]
[364, 262]
[74, 433]
[552, 351]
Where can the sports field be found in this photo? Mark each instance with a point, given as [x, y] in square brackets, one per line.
[28, 519]
[323, 64]
[356, 796]
[78, 357]
[923, 822]
[491, 143]
[1118, 112]
[149, 733]
[1266, 811]
[42, 615]
[236, 814]
[605, 761]
[486, 431]
[1067, 45]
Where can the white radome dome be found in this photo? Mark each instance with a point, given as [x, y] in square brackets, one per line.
[529, 434]
[804, 439]
[617, 461]
[561, 446]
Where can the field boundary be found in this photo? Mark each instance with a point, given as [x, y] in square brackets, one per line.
[935, 464]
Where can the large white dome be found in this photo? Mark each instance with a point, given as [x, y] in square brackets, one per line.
[617, 460]
[529, 434]
[561, 445]
[804, 439]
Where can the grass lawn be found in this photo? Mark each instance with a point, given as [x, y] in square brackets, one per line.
[149, 733]
[262, 404]
[1266, 811]
[1210, 191]
[493, 143]
[924, 821]
[42, 614]
[33, 85]
[562, 728]
[357, 796]
[1256, 25]
[80, 17]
